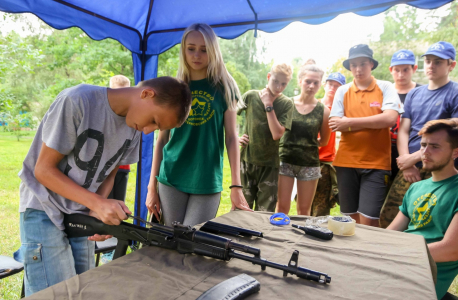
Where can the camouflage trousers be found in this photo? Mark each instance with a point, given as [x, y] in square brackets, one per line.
[395, 195]
[260, 186]
[326, 191]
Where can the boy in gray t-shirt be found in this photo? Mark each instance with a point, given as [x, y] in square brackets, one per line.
[70, 168]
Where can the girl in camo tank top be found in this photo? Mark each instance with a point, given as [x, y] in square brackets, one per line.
[299, 146]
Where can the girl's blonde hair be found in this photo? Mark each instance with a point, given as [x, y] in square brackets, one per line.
[216, 71]
[309, 66]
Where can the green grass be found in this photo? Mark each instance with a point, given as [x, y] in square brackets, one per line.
[12, 154]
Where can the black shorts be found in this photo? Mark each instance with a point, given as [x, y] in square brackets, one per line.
[362, 191]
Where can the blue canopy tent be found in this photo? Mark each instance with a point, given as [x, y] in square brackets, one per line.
[150, 27]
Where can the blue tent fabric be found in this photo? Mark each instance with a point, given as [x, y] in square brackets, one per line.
[133, 21]
[150, 27]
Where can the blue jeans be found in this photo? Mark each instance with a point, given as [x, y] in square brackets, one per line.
[49, 257]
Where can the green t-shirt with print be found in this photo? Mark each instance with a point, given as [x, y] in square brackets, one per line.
[262, 150]
[431, 206]
[193, 158]
[299, 146]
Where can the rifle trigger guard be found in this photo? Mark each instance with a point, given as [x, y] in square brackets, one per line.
[292, 262]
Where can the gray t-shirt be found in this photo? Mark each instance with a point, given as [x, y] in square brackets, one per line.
[81, 125]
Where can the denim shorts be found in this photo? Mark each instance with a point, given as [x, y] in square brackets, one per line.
[299, 172]
[49, 257]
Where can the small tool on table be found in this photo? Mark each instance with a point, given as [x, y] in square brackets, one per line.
[316, 231]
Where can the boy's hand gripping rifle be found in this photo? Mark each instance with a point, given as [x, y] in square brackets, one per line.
[185, 240]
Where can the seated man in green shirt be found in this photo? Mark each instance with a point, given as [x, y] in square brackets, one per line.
[268, 115]
[430, 207]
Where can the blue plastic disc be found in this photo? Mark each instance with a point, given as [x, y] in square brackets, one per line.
[279, 219]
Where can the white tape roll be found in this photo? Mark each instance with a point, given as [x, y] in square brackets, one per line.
[342, 228]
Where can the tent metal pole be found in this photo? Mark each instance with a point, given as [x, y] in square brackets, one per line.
[144, 45]
[255, 19]
[145, 39]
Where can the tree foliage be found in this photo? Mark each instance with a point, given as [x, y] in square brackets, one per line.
[401, 26]
[242, 55]
[169, 62]
[47, 61]
[17, 57]
[35, 68]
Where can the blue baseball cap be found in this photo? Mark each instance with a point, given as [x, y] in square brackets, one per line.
[443, 50]
[403, 57]
[337, 76]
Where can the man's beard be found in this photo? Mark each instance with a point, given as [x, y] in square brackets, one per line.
[438, 166]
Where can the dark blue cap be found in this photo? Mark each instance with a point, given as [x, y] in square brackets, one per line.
[403, 57]
[443, 50]
[337, 76]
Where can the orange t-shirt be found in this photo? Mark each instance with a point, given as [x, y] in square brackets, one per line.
[367, 148]
[328, 152]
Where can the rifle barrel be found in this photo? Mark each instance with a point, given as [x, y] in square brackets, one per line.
[244, 248]
[298, 271]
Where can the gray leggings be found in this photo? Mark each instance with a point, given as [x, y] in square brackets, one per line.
[188, 209]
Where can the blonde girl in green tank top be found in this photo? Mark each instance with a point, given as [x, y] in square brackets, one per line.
[299, 146]
[187, 161]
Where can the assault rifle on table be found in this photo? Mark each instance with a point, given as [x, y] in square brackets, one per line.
[183, 239]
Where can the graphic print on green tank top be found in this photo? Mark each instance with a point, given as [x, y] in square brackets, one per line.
[299, 146]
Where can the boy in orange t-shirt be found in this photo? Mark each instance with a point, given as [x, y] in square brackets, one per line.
[363, 111]
[326, 191]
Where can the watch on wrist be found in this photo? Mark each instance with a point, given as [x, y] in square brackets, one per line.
[269, 108]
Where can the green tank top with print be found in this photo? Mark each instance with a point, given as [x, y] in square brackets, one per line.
[193, 157]
[299, 146]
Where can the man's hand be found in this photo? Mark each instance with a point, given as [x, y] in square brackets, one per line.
[97, 237]
[405, 161]
[411, 174]
[153, 203]
[110, 211]
[267, 97]
[341, 125]
[238, 200]
[244, 140]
